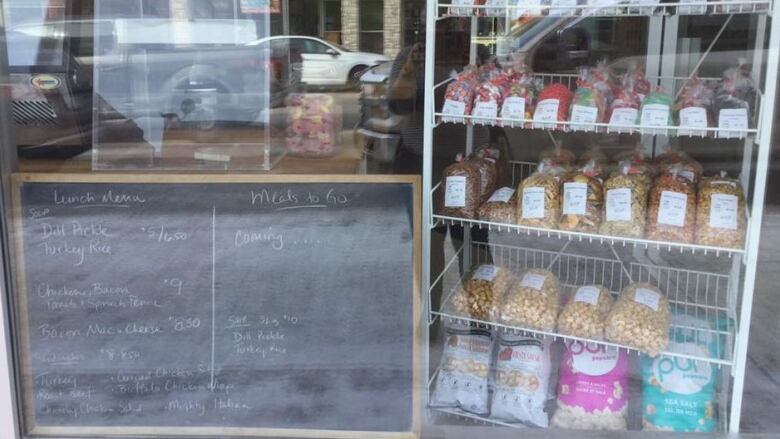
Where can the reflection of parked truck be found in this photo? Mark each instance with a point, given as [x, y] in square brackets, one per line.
[187, 71]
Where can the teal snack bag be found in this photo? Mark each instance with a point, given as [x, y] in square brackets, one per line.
[679, 393]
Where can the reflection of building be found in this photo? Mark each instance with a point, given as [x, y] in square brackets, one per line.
[382, 26]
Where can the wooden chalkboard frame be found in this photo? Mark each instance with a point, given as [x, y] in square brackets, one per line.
[20, 310]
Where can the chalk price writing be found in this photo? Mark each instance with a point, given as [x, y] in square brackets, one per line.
[175, 283]
[184, 323]
[162, 235]
[120, 354]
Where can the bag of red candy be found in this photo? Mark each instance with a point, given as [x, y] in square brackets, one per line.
[692, 108]
[552, 105]
[589, 104]
[459, 96]
[636, 81]
[733, 101]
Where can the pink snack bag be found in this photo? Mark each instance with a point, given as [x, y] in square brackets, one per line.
[593, 388]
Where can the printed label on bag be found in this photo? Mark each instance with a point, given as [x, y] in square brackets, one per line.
[455, 193]
[533, 202]
[672, 209]
[532, 280]
[655, 115]
[546, 111]
[575, 198]
[648, 298]
[531, 8]
[619, 204]
[587, 294]
[485, 110]
[693, 117]
[586, 116]
[486, 272]
[454, 108]
[623, 116]
[514, 108]
[461, 11]
[723, 211]
[562, 7]
[732, 119]
[495, 11]
[688, 175]
[502, 195]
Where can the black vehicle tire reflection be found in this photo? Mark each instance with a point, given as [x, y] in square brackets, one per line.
[353, 78]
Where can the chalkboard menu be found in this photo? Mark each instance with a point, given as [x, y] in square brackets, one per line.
[219, 305]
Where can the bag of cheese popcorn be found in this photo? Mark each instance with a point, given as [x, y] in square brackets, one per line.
[462, 381]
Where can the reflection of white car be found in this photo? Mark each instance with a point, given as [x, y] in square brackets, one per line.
[323, 63]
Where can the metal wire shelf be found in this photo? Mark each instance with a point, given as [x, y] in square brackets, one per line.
[504, 9]
[698, 294]
[673, 84]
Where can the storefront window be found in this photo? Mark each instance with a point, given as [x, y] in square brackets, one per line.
[314, 218]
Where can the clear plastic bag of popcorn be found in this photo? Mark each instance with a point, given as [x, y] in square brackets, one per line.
[640, 319]
[461, 189]
[539, 197]
[592, 388]
[625, 203]
[721, 213]
[671, 208]
[583, 200]
[533, 302]
[480, 295]
[501, 207]
[462, 381]
[586, 312]
[522, 377]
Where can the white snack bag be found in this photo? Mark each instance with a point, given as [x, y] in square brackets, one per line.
[462, 381]
[521, 380]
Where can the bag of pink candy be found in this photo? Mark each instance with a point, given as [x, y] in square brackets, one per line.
[314, 123]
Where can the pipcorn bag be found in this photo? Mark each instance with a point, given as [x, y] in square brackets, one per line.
[593, 388]
[679, 393]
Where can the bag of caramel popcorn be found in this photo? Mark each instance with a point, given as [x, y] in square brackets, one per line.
[522, 375]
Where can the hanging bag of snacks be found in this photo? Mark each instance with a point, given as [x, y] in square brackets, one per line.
[533, 303]
[640, 319]
[692, 108]
[539, 197]
[552, 106]
[459, 96]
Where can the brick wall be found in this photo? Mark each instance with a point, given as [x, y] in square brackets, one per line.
[350, 24]
[393, 31]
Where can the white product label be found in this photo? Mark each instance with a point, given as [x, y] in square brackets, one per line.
[683, 376]
[485, 110]
[732, 119]
[575, 198]
[454, 108]
[648, 298]
[486, 272]
[619, 204]
[587, 294]
[723, 211]
[655, 115]
[502, 195]
[532, 280]
[562, 7]
[672, 209]
[462, 11]
[514, 108]
[533, 202]
[623, 116]
[593, 359]
[532, 7]
[688, 175]
[584, 115]
[693, 117]
[455, 193]
[495, 11]
[546, 111]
